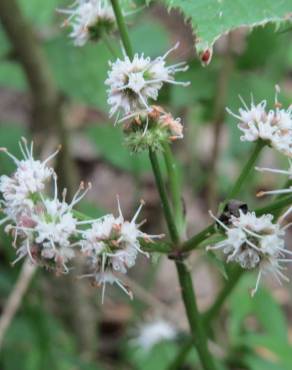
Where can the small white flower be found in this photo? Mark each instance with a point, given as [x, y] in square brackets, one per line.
[19, 190]
[133, 82]
[255, 243]
[274, 126]
[154, 332]
[87, 17]
[112, 245]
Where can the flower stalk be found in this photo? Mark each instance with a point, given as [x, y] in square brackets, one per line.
[185, 280]
[245, 171]
[175, 190]
[122, 28]
[164, 200]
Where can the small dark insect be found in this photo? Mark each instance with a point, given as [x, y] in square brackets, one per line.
[232, 208]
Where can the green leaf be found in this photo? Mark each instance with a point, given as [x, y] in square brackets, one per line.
[212, 18]
[240, 307]
[274, 322]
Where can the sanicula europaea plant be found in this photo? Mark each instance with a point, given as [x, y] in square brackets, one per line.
[50, 232]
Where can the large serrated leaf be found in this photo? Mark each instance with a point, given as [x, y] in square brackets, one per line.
[212, 18]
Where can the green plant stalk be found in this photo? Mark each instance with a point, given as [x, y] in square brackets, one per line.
[122, 28]
[193, 242]
[187, 291]
[208, 317]
[188, 295]
[275, 207]
[195, 320]
[164, 200]
[175, 189]
[245, 171]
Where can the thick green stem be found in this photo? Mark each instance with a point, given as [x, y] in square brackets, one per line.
[245, 171]
[187, 291]
[184, 276]
[174, 185]
[194, 318]
[122, 28]
[163, 196]
[193, 242]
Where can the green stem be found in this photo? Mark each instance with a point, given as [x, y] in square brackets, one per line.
[184, 276]
[193, 242]
[174, 185]
[194, 318]
[163, 196]
[245, 171]
[208, 316]
[122, 28]
[275, 206]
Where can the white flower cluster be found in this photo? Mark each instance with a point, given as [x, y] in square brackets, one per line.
[46, 230]
[112, 245]
[88, 19]
[133, 82]
[255, 243]
[274, 125]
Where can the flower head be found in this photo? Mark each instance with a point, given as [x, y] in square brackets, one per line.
[274, 126]
[20, 190]
[48, 237]
[133, 82]
[254, 243]
[154, 332]
[152, 130]
[88, 19]
[111, 246]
